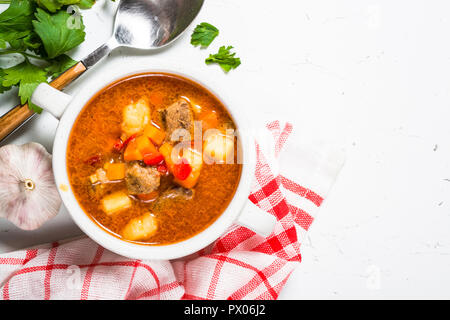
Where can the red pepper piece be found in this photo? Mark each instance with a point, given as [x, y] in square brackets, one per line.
[152, 159]
[125, 143]
[182, 170]
[162, 168]
[93, 160]
[118, 145]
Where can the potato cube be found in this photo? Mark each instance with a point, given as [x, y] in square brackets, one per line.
[101, 175]
[194, 158]
[135, 117]
[115, 202]
[140, 228]
[219, 148]
[93, 178]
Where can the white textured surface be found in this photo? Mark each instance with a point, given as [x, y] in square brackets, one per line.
[372, 76]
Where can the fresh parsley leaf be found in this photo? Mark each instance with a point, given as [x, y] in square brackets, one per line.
[27, 28]
[86, 4]
[27, 76]
[68, 2]
[224, 58]
[59, 65]
[57, 33]
[50, 5]
[15, 22]
[30, 42]
[3, 88]
[55, 5]
[204, 34]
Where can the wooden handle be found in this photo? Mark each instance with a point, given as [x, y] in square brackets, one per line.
[18, 115]
[68, 76]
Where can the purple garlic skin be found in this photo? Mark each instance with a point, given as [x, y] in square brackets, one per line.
[28, 193]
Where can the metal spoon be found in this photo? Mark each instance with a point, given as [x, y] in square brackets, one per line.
[141, 24]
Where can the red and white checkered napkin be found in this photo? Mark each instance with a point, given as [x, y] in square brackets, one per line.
[291, 182]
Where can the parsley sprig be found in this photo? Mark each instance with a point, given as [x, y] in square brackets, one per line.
[41, 32]
[203, 35]
[224, 58]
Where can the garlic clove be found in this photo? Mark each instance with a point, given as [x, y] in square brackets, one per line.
[28, 193]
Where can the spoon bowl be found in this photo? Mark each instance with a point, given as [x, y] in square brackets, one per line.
[147, 25]
[151, 24]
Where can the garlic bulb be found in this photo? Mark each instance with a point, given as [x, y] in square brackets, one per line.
[28, 194]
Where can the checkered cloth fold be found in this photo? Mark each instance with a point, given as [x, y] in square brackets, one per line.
[291, 181]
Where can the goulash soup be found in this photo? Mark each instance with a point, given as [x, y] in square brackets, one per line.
[135, 167]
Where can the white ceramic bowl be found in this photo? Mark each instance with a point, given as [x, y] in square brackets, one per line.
[240, 210]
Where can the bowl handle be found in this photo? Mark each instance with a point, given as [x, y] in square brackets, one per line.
[256, 219]
[51, 99]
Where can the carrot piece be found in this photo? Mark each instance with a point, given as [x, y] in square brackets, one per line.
[132, 152]
[138, 148]
[145, 146]
[155, 134]
[115, 171]
[166, 151]
[190, 181]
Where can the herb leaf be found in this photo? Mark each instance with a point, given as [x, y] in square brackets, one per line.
[27, 25]
[86, 4]
[50, 5]
[3, 88]
[30, 42]
[59, 65]
[57, 33]
[27, 76]
[204, 34]
[15, 22]
[224, 58]
[55, 5]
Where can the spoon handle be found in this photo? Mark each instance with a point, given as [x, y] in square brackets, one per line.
[20, 114]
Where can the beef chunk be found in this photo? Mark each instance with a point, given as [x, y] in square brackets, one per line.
[158, 117]
[141, 180]
[179, 115]
[173, 194]
[178, 193]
